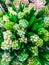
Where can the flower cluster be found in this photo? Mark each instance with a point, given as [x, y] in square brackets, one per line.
[36, 40]
[5, 59]
[37, 4]
[6, 44]
[24, 35]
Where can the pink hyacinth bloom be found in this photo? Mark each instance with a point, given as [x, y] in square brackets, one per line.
[7, 1]
[16, 3]
[25, 1]
[38, 4]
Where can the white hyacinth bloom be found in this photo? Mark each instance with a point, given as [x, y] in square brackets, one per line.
[21, 32]
[6, 56]
[16, 26]
[34, 38]
[23, 39]
[5, 18]
[7, 34]
[12, 11]
[15, 45]
[5, 59]
[7, 44]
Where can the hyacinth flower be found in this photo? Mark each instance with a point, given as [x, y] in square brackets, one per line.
[16, 3]
[16, 45]
[24, 36]
[6, 44]
[26, 13]
[8, 25]
[21, 27]
[36, 40]
[7, 1]
[38, 4]
[46, 9]
[5, 59]
[45, 34]
[5, 18]
[46, 22]
[34, 61]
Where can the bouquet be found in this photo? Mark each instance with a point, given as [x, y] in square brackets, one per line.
[24, 35]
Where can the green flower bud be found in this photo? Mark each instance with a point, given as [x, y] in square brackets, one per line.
[23, 22]
[46, 22]
[41, 31]
[46, 10]
[46, 36]
[39, 42]
[16, 45]
[34, 61]
[8, 25]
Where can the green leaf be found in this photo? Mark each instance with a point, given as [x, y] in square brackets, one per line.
[21, 6]
[40, 14]
[2, 1]
[46, 57]
[35, 27]
[31, 21]
[13, 18]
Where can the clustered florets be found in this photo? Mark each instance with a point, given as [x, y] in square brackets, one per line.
[24, 35]
[5, 59]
